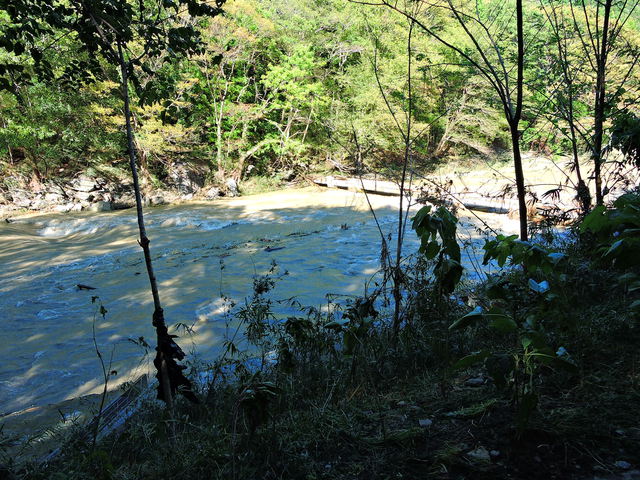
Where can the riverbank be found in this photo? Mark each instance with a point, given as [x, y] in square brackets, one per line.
[478, 183]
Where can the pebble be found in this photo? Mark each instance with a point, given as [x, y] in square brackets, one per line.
[425, 422]
[475, 382]
[480, 454]
[621, 464]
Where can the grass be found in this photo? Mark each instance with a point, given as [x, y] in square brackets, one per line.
[394, 408]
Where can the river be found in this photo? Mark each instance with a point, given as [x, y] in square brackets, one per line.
[327, 241]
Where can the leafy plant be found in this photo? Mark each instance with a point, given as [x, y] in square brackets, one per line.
[437, 233]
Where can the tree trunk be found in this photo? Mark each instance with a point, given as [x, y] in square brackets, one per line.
[513, 126]
[169, 372]
[520, 188]
[599, 113]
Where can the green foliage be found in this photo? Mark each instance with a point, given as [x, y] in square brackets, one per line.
[532, 256]
[437, 233]
[617, 230]
[625, 136]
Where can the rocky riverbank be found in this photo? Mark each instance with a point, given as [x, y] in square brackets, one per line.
[100, 194]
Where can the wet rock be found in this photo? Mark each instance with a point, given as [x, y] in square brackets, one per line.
[100, 207]
[622, 465]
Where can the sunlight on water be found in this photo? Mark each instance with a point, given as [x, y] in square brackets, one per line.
[326, 240]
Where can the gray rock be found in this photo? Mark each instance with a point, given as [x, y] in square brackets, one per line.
[39, 203]
[84, 196]
[124, 200]
[100, 207]
[84, 184]
[185, 178]
[76, 207]
[212, 193]
[157, 200]
[21, 199]
[64, 208]
[479, 454]
[53, 198]
[475, 382]
[232, 187]
[425, 422]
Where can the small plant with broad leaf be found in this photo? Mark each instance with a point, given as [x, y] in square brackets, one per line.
[437, 233]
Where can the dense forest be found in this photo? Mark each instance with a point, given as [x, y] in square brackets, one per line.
[527, 371]
[277, 88]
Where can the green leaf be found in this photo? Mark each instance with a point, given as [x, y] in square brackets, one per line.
[470, 360]
[615, 246]
[469, 319]
[502, 323]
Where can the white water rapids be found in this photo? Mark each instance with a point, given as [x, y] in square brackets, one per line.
[46, 344]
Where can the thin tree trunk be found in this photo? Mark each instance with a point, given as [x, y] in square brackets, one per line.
[158, 314]
[519, 174]
[599, 114]
[513, 125]
[397, 271]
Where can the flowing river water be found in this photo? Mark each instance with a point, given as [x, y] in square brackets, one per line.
[327, 241]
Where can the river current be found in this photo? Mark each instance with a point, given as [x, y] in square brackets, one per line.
[327, 241]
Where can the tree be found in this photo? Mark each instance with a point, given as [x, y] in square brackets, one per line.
[483, 46]
[126, 35]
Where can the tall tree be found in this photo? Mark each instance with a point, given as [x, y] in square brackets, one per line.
[599, 26]
[485, 48]
[127, 35]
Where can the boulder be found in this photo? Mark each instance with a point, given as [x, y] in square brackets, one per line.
[64, 208]
[84, 184]
[185, 178]
[39, 203]
[123, 200]
[232, 187]
[84, 196]
[100, 207]
[53, 198]
[212, 193]
[21, 199]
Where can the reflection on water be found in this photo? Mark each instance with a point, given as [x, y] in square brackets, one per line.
[326, 240]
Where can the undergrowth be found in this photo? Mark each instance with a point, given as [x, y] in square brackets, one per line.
[533, 374]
